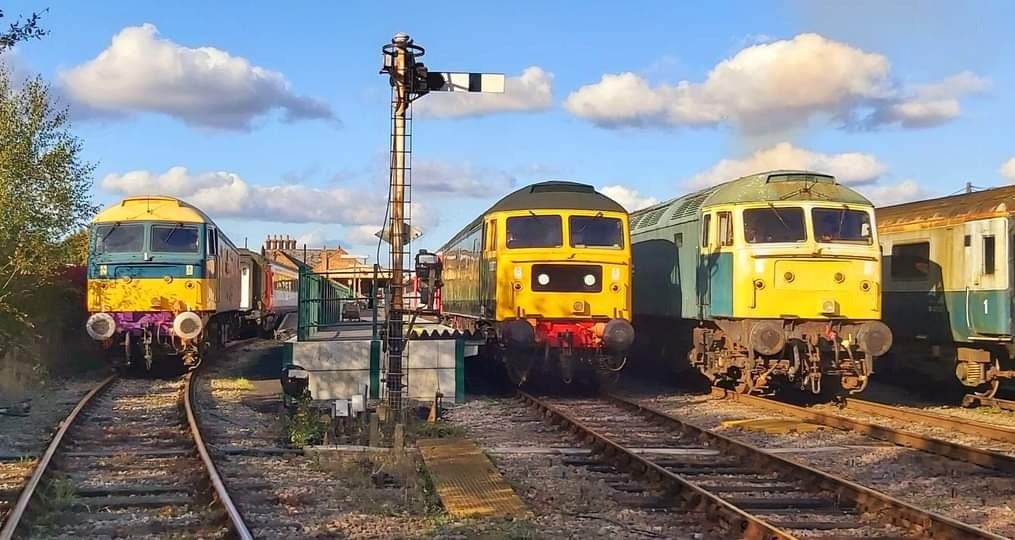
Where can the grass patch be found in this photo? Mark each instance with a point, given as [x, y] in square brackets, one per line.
[238, 383]
[306, 424]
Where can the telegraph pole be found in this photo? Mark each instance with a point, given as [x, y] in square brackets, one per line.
[410, 80]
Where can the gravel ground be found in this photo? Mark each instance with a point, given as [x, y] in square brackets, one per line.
[568, 501]
[965, 492]
[23, 438]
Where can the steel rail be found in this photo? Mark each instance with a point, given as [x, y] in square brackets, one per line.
[962, 425]
[925, 523]
[235, 518]
[968, 454]
[28, 491]
[737, 521]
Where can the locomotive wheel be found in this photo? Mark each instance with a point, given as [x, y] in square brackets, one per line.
[518, 365]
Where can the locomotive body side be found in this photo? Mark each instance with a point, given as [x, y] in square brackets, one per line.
[545, 273]
[753, 279]
[948, 286]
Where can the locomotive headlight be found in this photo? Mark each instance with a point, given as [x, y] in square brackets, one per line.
[187, 325]
[518, 272]
[100, 326]
[543, 279]
[589, 280]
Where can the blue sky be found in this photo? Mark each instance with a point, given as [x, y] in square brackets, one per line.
[904, 101]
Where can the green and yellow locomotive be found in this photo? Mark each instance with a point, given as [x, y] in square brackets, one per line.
[763, 281]
[545, 275]
[165, 282]
[948, 286]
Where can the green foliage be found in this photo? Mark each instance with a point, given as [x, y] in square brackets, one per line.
[44, 199]
[21, 31]
[306, 424]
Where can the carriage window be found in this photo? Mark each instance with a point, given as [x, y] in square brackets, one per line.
[493, 235]
[534, 231]
[174, 239]
[988, 255]
[706, 226]
[596, 231]
[725, 229]
[911, 261]
[119, 238]
[213, 243]
[841, 225]
[774, 224]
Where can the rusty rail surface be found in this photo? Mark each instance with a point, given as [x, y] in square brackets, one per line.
[729, 517]
[969, 454]
[962, 425]
[921, 522]
[221, 493]
[17, 513]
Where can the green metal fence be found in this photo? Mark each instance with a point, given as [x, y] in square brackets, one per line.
[319, 302]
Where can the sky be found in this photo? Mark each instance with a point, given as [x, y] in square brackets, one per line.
[273, 118]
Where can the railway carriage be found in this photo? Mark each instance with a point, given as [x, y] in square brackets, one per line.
[949, 284]
[545, 275]
[763, 281]
[165, 283]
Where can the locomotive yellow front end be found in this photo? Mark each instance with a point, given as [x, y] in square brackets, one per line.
[563, 289]
[803, 275]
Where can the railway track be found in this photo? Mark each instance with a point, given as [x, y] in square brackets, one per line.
[997, 403]
[970, 454]
[749, 492]
[129, 460]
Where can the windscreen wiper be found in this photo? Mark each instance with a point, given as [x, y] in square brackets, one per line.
[102, 241]
[778, 215]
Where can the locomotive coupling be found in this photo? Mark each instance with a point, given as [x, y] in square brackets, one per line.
[874, 337]
[618, 335]
[100, 326]
[188, 325]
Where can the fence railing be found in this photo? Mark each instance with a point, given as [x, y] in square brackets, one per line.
[323, 302]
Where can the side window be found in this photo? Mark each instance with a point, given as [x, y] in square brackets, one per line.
[725, 229]
[706, 230]
[911, 262]
[988, 255]
[213, 244]
[678, 239]
[486, 236]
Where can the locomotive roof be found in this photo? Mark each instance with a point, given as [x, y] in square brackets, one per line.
[994, 202]
[152, 208]
[556, 194]
[769, 186]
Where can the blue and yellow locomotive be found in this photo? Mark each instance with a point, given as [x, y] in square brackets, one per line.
[164, 281]
[949, 285]
[762, 281]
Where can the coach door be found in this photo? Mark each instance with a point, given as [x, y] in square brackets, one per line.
[986, 299]
[488, 269]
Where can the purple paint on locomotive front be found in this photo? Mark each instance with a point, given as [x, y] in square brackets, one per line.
[134, 321]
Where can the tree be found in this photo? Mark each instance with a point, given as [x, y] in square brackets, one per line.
[21, 31]
[44, 197]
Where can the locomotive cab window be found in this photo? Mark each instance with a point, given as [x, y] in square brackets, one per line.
[174, 239]
[725, 229]
[841, 225]
[774, 224]
[911, 262]
[706, 226]
[596, 232]
[989, 264]
[119, 238]
[535, 231]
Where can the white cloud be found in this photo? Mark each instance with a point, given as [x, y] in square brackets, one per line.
[627, 197]
[848, 168]
[905, 191]
[1008, 170]
[461, 179]
[206, 87]
[226, 194]
[363, 234]
[775, 86]
[530, 91]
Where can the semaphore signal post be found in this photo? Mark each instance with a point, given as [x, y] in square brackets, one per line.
[410, 80]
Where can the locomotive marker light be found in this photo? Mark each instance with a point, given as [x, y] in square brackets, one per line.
[410, 80]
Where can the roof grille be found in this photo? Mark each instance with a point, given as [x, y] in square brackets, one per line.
[652, 217]
[690, 206]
